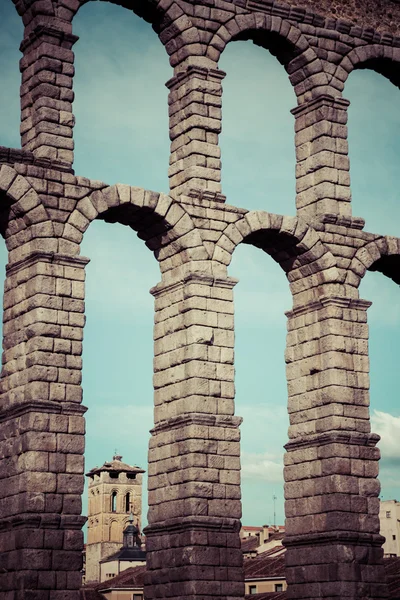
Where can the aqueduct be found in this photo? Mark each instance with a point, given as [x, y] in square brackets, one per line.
[331, 464]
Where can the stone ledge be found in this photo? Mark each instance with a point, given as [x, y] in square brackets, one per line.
[194, 71]
[67, 260]
[316, 103]
[207, 420]
[340, 301]
[201, 195]
[334, 537]
[342, 221]
[12, 156]
[41, 30]
[199, 278]
[44, 521]
[352, 438]
[221, 524]
[45, 406]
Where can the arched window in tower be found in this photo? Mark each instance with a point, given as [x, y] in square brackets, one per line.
[127, 502]
[114, 502]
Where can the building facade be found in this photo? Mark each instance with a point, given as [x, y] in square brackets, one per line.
[115, 490]
[331, 462]
[130, 555]
[389, 516]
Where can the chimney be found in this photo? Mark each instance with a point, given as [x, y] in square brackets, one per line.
[264, 534]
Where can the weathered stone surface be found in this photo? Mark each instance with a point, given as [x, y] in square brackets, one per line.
[331, 464]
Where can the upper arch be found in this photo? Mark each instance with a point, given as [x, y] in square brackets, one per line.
[382, 255]
[21, 208]
[382, 59]
[285, 41]
[158, 219]
[147, 9]
[152, 11]
[291, 242]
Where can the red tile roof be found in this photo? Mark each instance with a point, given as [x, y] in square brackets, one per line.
[132, 577]
[250, 543]
[267, 564]
[267, 596]
[116, 466]
[87, 593]
[392, 570]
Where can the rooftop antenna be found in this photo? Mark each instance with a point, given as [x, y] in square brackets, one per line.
[274, 499]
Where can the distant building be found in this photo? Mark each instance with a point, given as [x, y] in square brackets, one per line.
[115, 490]
[250, 531]
[130, 555]
[266, 572]
[264, 580]
[262, 574]
[260, 539]
[125, 586]
[389, 516]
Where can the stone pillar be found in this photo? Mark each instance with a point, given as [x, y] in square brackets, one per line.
[42, 429]
[331, 466]
[195, 122]
[46, 92]
[322, 172]
[192, 541]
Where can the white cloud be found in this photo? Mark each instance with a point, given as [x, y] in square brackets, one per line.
[129, 418]
[265, 467]
[388, 427]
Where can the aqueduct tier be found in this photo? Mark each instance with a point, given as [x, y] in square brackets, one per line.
[331, 464]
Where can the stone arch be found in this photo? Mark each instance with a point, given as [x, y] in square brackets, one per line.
[382, 255]
[127, 500]
[151, 11]
[293, 244]
[21, 209]
[174, 27]
[382, 59]
[160, 221]
[114, 496]
[114, 531]
[282, 39]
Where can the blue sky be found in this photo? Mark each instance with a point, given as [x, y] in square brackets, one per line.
[121, 135]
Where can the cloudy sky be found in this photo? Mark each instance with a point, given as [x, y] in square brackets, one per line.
[121, 135]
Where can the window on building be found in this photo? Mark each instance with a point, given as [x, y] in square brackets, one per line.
[252, 589]
[110, 575]
[127, 502]
[279, 587]
[388, 514]
[393, 537]
[114, 502]
[137, 597]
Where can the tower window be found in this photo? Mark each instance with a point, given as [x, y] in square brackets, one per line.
[127, 502]
[114, 502]
[113, 475]
[131, 475]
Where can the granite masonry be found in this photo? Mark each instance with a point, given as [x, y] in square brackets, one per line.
[331, 462]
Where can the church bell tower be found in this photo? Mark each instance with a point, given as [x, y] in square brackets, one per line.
[115, 491]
